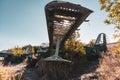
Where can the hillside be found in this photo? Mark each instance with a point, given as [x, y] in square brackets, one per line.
[107, 67]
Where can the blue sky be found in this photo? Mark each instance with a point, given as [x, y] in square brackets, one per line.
[23, 22]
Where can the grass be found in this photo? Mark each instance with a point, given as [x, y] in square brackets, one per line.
[6, 73]
[109, 68]
[11, 72]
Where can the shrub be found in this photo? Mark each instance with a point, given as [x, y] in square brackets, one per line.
[116, 49]
[109, 68]
[11, 72]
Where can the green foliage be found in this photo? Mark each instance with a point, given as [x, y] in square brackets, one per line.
[112, 7]
[17, 59]
[116, 49]
[73, 47]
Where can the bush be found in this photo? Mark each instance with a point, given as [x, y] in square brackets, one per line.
[10, 72]
[116, 49]
[109, 68]
[72, 49]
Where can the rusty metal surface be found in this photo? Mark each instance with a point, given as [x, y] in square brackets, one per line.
[63, 18]
[100, 46]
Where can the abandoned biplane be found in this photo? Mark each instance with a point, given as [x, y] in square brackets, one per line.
[63, 18]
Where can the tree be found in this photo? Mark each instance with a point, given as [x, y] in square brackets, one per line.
[112, 7]
[73, 47]
[91, 43]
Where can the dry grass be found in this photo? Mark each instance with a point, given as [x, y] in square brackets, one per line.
[11, 72]
[109, 68]
[6, 73]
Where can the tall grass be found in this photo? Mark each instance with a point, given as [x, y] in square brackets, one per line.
[109, 68]
[6, 73]
[11, 72]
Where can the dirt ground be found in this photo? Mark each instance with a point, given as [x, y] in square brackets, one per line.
[30, 74]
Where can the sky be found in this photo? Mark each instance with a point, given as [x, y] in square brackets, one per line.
[23, 22]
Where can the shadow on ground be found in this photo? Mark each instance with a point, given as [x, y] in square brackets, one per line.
[85, 67]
